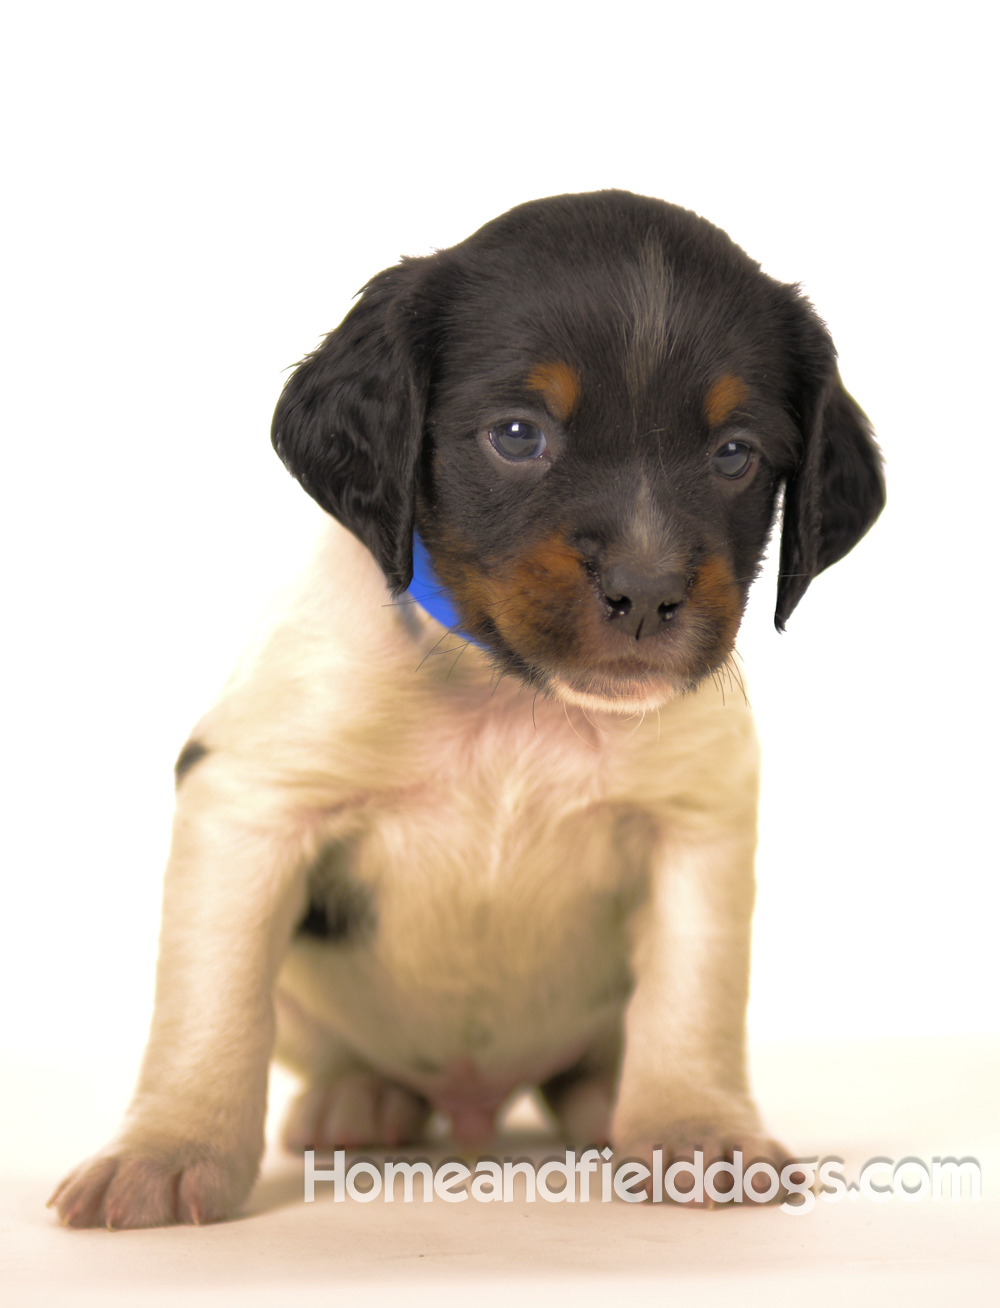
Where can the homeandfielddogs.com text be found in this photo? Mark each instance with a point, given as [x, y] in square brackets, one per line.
[594, 1175]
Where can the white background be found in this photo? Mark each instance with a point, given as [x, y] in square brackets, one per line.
[194, 194]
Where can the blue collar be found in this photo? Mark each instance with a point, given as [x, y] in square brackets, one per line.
[431, 593]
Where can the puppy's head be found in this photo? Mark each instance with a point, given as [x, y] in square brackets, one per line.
[587, 409]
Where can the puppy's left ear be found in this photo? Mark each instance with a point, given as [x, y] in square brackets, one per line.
[838, 490]
[349, 423]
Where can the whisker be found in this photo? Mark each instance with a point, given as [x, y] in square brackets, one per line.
[411, 599]
[452, 631]
[637, 726]
[495, 608]
[457, 657]
[593, 724]
[588, 743]
[432, 650]
[739, 678]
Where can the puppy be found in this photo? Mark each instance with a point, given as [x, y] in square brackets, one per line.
[427, 864]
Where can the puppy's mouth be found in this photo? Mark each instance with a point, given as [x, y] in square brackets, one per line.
[623, 686]
[607, 692]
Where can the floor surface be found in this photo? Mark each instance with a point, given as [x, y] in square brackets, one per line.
[921, 1098]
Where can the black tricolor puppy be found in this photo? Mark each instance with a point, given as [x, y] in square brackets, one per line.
[587, 409]
[414, 883]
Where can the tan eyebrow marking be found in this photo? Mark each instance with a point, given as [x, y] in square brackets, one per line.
[723, 397]
[559, 386]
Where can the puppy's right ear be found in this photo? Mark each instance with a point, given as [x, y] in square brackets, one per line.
[349, 423]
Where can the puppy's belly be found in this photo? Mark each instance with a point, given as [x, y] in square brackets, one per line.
[463, 968]
[454, 1043]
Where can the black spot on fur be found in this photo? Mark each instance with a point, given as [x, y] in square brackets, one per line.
[339, 910]
[193, 752]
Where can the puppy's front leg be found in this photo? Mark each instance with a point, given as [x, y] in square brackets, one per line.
[684, 1081]
[193, 1136]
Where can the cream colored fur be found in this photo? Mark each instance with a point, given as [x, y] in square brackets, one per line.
[548, 881]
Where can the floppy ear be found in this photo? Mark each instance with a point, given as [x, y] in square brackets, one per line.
[833, 496]
[349, 422]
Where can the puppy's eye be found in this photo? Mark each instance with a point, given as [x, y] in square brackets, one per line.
[518, 440]
[732, 459]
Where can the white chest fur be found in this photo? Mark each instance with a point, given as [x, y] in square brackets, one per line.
[493, 896]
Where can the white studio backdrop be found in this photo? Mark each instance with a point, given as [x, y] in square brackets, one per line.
[195, 192]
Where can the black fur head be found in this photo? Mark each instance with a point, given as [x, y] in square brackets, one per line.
[588, 409]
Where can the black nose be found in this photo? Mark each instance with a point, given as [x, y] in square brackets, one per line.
[642, 602]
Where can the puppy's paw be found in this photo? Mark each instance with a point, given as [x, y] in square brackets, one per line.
[717, 1144]
[358, 1109]
[135, 1185]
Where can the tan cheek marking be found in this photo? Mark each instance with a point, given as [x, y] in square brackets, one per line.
[723, 397]
[536, 602]
[559, 386]
[717, 597]
[540, 602]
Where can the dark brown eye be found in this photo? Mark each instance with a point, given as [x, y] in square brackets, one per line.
[732, 459]
[518, 440]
